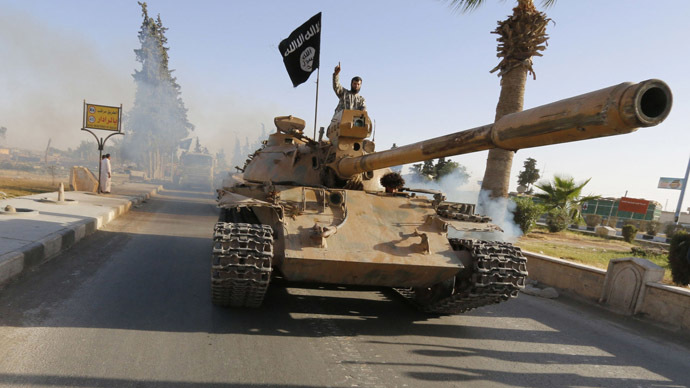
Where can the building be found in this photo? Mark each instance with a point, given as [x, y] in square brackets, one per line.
[607, 208]
[668, 218]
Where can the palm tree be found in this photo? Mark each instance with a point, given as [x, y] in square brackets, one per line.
[563, 193]
[522, 36]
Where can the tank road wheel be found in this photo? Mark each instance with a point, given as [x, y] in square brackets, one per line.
[241, 264]
[497, 273]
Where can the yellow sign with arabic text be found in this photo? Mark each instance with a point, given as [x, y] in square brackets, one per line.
[102, 117]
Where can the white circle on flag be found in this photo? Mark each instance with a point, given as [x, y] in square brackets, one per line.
[92, 109]
[92, 119]
[306, 59]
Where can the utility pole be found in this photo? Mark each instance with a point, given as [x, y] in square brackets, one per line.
[682, 194]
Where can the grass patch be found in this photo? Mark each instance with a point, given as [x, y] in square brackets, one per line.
[591, 249]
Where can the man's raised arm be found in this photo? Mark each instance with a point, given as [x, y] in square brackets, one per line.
[337, 87]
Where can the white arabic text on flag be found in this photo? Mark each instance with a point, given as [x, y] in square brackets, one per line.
[300, 50]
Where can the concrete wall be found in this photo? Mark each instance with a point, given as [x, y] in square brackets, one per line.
[667, 304]
[82, 179]
[580, 279]
[667, 217]
[658, 302]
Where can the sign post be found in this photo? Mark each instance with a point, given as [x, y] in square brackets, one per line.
[676, 184]
[101, 117]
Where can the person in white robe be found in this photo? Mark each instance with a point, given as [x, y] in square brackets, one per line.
[106, 174]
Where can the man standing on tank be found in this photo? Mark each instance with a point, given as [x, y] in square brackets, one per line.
[349, 99]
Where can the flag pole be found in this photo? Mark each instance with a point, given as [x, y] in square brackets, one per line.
[316, 108]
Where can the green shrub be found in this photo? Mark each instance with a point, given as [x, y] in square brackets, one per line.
[653, 227]
[629, 233]
[557, 219]
[526, 213]
[592, 220]
[678, 259]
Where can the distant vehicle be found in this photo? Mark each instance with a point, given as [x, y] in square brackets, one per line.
[195, 170]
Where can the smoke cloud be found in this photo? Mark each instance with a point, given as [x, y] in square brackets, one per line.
[458, 188]
[45, 74]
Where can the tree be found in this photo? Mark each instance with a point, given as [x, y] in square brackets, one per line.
[158, 119]
[440, 169]
[564, 194]
[3, 132]
[237, 155]
[529, 175]
[521, 37]
[87, 151]
[445, 166]
[425, 169]
[221, 160]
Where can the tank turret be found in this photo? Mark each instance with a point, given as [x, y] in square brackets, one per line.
[289, 156]
[314, 211]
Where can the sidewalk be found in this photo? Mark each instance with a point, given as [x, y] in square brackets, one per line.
[42, 228]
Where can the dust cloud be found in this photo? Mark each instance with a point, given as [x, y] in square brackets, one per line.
[45, 75]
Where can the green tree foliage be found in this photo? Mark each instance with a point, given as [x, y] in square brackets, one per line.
[629, 233]
[446, 166]
[557, 219]
[526, 213]
[679, 259]
[425, 169]
[564, 193]
[436, 171]
[158, 120]
[529, 175]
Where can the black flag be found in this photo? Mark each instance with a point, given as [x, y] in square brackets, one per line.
[300, 51]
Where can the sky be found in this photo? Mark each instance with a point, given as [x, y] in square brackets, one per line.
[425, 71]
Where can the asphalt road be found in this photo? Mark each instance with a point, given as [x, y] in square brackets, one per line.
[129, 306]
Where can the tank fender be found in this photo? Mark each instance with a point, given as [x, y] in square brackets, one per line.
[228, 199]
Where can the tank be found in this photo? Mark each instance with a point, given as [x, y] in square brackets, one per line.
[314, 210]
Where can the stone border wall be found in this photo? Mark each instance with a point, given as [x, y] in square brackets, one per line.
[658, 302]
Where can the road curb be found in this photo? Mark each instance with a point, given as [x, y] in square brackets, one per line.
[13, 264]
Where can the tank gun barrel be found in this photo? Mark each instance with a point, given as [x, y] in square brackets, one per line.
[615, 110]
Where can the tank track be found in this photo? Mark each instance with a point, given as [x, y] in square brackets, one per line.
[241, 264]
[498, 274]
